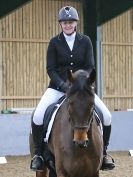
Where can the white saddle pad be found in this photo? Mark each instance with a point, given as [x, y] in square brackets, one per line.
[52, 122]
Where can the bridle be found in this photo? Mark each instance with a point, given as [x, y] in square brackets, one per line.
[91, 116]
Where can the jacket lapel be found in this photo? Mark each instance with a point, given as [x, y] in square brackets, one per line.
[77, 42]
[64, 42]
[76, 45]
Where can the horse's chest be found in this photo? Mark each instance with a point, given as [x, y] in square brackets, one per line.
[79, 162]
[78, 168]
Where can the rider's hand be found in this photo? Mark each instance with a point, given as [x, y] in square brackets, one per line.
[64, 86]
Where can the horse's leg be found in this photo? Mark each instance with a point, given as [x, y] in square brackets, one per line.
[42, 174]
[45, 174]
[52, 174]
[96, 175]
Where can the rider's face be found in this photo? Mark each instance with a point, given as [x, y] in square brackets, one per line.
[68, 27]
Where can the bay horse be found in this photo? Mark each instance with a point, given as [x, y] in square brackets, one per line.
[76, 139]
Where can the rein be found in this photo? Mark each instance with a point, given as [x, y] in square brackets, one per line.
[91, 118]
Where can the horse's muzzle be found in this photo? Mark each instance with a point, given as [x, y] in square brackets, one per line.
[82, 144]
[81, 137]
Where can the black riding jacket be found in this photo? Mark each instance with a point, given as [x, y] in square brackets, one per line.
[60, 58]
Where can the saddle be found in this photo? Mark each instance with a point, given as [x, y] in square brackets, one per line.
[49, 112]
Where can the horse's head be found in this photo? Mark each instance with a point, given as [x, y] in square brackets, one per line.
[81, 104]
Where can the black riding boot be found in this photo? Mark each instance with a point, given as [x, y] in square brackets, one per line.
[37, 163]
[107, 164]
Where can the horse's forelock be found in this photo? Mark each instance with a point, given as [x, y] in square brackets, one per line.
[80, 82]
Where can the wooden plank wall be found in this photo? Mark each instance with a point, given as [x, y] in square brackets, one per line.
[24, 37]
[117, 53]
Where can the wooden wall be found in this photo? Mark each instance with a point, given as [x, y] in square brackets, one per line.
[24, 37]
[117, 55]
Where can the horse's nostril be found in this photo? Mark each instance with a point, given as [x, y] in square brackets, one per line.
[87, 142]
[81, 143]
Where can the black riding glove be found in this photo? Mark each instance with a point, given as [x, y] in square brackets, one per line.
[64, 86]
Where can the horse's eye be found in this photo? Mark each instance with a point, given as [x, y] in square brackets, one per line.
[70, 101]
[90, 105]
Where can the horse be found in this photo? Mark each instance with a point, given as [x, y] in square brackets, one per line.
[76, 139]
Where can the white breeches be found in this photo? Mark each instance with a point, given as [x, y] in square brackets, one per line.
[106, 113]
[51, 96]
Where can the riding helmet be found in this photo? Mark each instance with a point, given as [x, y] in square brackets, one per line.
[68, 13]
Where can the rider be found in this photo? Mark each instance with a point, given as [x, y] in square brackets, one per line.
[68, 50]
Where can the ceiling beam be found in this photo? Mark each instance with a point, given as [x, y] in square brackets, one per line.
[108, 9]
[6, 6]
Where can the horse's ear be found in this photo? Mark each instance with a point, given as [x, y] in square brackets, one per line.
[92, 77]
[70, 75]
